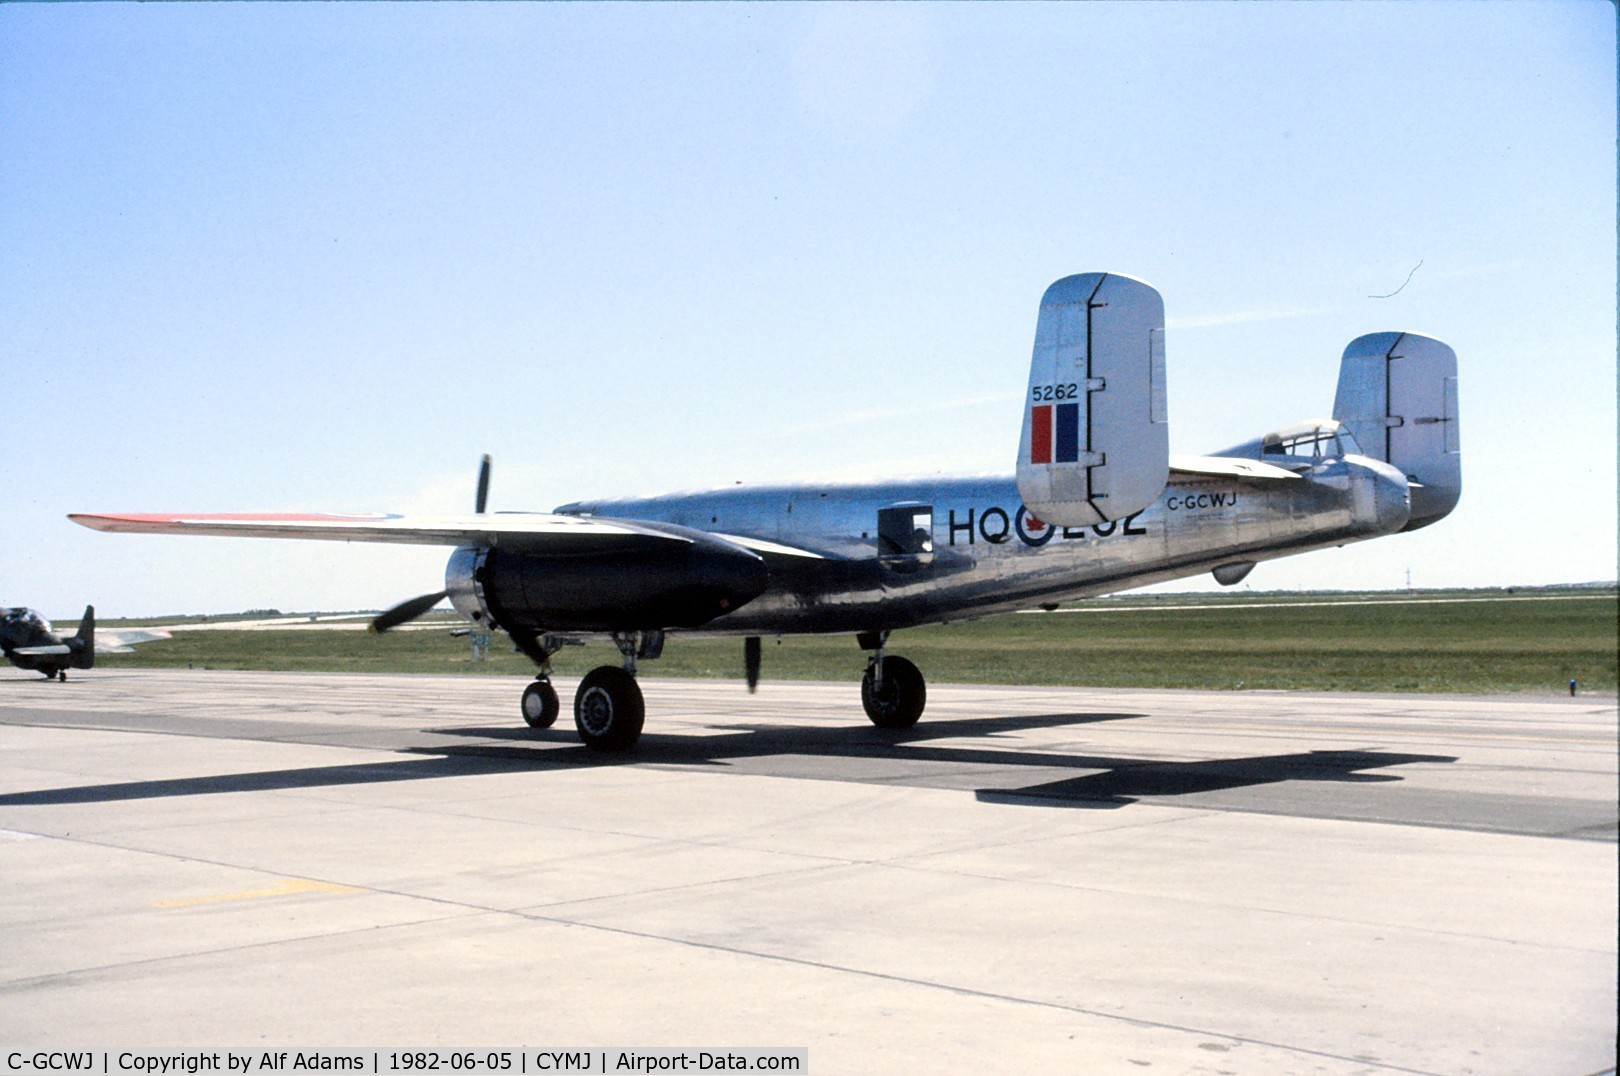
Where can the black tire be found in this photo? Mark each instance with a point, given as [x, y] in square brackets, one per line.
[900, 703]
[540, 705]
[608, 709]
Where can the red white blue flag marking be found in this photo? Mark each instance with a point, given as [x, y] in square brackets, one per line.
[1054, 433]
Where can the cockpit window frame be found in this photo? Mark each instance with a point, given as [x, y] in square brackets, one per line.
[1315, 441]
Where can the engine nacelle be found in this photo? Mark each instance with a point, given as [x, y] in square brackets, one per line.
[661, 585]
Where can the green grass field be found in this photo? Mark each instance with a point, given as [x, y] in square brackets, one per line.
[1492, 642]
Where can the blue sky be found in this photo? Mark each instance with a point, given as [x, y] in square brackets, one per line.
[284, 257]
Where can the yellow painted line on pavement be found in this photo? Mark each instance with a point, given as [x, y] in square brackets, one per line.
[280, 889]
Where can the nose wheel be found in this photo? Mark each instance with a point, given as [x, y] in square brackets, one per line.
[540, 705]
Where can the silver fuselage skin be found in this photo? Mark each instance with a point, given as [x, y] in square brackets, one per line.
[989, 556]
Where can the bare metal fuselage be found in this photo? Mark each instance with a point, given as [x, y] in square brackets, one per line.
[986, 554]
[1093, 458]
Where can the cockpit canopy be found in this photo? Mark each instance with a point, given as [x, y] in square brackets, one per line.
[22, 616]
[1313, 440]
[1302, 444]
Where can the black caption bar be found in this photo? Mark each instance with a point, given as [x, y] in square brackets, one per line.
[482, 1061]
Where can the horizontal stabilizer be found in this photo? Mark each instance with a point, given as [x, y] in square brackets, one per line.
[1095, 445]
[1229, 467]
[43, 651]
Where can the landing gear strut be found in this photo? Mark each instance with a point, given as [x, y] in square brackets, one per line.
[608, 707]
[893, 691]
[540, 705]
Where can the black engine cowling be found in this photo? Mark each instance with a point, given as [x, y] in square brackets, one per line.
[659, 584]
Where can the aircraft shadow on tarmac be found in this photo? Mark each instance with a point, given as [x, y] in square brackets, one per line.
[1106, 781]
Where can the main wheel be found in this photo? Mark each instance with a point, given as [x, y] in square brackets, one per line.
[540, 705]
[899, 702]
[608, 709]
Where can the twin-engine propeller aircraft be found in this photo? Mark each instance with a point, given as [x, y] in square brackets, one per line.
[27, 640]
[1097, 504]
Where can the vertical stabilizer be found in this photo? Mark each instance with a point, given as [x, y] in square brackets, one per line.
[84, 648]
[1398, 395]
[1096, 442]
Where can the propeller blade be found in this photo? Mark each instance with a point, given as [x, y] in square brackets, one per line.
[482, 498]
[406, 611]
[751, 662]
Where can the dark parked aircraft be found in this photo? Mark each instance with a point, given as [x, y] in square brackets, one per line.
[29, 642]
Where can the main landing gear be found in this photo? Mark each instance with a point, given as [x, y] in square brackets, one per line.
[893, 691]
[609, 710]
[608, 707]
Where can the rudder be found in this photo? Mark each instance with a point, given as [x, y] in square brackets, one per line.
[1398, 396]
[1095, 443]
[84, 643]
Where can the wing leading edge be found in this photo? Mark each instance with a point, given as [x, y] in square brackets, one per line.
[540, 532]
[528, 532]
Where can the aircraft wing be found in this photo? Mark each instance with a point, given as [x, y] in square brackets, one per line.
[120, 640]
[537, 532]
[1229, 467]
